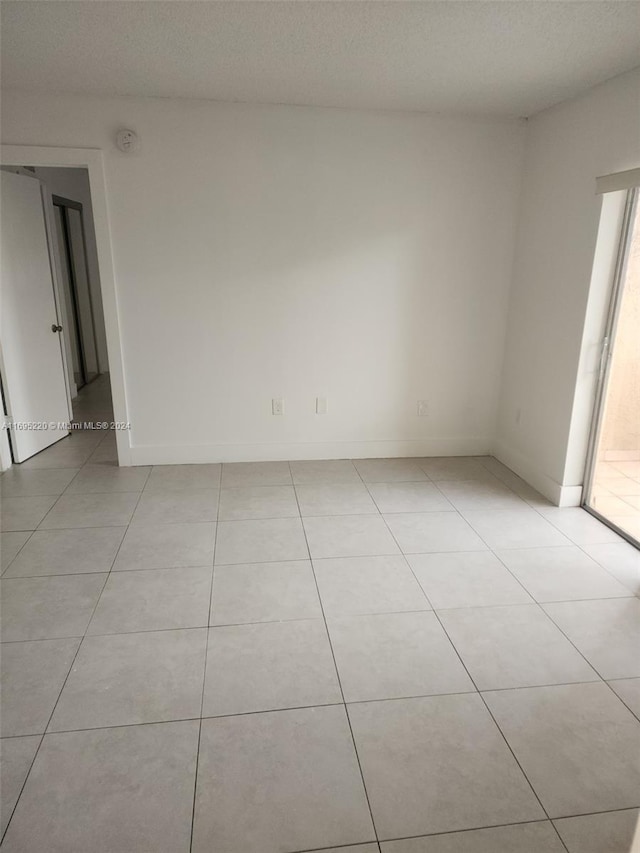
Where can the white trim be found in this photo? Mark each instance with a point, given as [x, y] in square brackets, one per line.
[92, 160]
[594, 329]
[557, 493]
[56, 275]
[618, 181]
[177, 454]
[5, 450]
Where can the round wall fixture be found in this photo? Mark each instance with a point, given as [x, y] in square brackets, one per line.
[127, 141]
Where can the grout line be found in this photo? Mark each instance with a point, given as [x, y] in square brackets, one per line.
[477, 828]
[335, 665]
[15, 557]
[311, 561]
[349, 847]
[75, 657]
[117, 572]
[487, 706]
[206, 653]
[624, 702]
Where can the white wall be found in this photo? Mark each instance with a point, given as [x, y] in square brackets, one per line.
[294, 252]
[74, 184]
[549, 364]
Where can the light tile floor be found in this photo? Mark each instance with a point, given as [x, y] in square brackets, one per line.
[406, 656]
[616, 492]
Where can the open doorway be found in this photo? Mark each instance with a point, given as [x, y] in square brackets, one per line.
[612, 489]
[70, 299]
[71, 241]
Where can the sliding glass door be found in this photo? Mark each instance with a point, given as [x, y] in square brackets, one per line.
[612, 490]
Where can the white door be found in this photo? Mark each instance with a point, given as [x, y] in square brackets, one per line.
[30, 350]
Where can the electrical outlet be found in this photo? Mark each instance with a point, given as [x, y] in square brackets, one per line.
[423, 408]
[277, 406]
[321, 406]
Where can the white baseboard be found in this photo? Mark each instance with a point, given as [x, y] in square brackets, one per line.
[570, 496]
[275, 452]
[557, 493]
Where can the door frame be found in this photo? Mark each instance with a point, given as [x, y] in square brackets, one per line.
[91, 159]
[631, 203]
[66, 204]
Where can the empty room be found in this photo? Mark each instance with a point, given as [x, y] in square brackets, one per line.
[320, 446]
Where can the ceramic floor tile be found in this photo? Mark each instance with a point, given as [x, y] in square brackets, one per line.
[264, 592]
[357, 848]
[538, 837]
[572, 741]
[611, 832]
[236, 474]
[297, 784]
[260, 541]
[394, 655]
[110, 510]
[153, 600]
[94, 479]
[106, 453]
[335, 499]
[579, 526]
[32, 677]
[610, 506]
[435, 762]
[25, 513]
[438, 764]
[455, 468]
[123, 679]
[349, 536]
[389, 470]
[16, 755]
[324, 471]
[178, 478]
[258, 502]
[629, 467]
[515, 483]
[48, 608]
[357, 585]
[607, 632]
[480, 494]
[177, 507]
[87, 439]
[75, 799]
[10, 544]
[23, 482]
[516, 646]
[409, 497]
[514, 528]
[420, 532]
[62, 552]
[67, 453]
[466, 579]
[166, 546]
[621, 560]
[269, 666]
[561, 574]
[628, 689]
[618, 485]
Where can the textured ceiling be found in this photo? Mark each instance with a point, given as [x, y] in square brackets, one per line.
[500, 57]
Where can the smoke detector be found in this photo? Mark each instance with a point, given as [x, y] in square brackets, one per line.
[127, 141]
